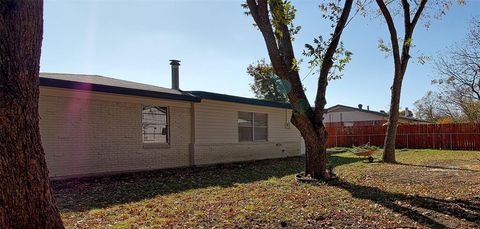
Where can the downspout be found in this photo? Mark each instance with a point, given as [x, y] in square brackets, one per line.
[192, 135]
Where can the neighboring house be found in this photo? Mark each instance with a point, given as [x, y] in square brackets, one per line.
[341, 115]
[98, 125]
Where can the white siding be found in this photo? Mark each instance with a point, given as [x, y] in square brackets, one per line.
[350, 116]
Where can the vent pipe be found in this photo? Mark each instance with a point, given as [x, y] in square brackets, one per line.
[175, 74]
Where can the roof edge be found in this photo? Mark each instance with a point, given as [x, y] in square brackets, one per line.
[374, 112]
[48, 82]
[239, 99]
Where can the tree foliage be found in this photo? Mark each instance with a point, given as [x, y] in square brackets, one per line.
[316, 52]
[266, 85]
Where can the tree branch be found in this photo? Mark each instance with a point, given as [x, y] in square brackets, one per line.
[393, 34]
[327, 63]
[302, 112]
[420, 9]
[260, 16]
[409, 27]
[406, 14]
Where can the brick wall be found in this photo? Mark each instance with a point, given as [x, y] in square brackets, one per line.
[86, 133]
[234, 152]
[90, 133]
[216, 139]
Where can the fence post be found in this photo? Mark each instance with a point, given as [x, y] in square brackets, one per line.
[336, 140]
[407, 141]
[433, 140]
[369, 141]
[451, 142]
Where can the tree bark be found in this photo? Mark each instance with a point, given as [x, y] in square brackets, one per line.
[390, 138]
[26, 199]
[316, 156]
[400, 61]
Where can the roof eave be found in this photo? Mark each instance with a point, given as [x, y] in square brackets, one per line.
[47, 82]
[241, 100]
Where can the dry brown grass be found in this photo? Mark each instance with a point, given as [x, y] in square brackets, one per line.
[427, 189]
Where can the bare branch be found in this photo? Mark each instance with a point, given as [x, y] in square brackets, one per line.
[393, 33]
[420, 9]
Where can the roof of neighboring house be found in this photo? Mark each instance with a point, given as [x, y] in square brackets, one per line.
[111, 85]
[383, 114]
[237, 99]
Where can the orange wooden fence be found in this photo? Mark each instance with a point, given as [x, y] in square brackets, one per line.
[464, 136]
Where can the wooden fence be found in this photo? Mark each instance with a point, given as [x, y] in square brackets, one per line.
[464, 136]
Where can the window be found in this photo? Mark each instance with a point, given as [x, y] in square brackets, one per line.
[348, 124]
[252, 126]
[154, 124]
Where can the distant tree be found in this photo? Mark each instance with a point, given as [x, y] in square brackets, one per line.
[426, 108]
[458, 82]
[400, 50]
[459, 69]
[432, 107]
[445, 120]
[459, 74]
[447, 105]
[26, 199]
[266, 85]
[274, 19]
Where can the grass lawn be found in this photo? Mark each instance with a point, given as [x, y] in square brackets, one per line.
[426, 189]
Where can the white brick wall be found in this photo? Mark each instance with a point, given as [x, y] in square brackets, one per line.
[216, 132]
[85, 133]
[234, 152]
[88, 133]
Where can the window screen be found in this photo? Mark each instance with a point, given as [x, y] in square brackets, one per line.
[252, 126]
[245, 126]
[154, 124]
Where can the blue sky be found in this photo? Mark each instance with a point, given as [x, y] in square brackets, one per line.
[133, 40]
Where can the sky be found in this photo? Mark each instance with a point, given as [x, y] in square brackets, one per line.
[215, 41]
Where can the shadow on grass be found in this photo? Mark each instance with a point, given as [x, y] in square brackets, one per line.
[83, 194]
[410, 205]
[438, 167]
[89, 193]
[335, 160]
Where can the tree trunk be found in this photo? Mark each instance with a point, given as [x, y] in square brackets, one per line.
[316, 157]
[280, 50]
[389, 144]
[400, 63]
[26, 199]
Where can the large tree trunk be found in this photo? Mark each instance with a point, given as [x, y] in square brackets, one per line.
[25, 196]
[316, 157]
[390, 138]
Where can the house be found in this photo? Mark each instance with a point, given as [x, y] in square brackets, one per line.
[93, 125]
[341, 115]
